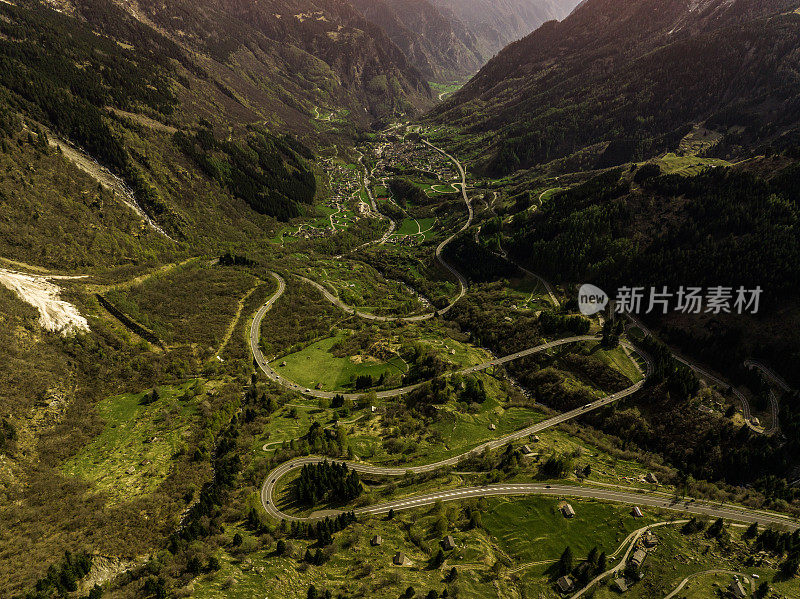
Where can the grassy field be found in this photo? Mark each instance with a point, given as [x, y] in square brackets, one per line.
[316, 365]
[526, 293]
[413, 226]
[619, 360]
[688, 165]
[442, 90]
[133, 455]
[533, 529]
[522, 529]
[450, 438]
[546, 195]
[358, 284]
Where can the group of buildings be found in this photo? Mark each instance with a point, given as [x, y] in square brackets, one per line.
[401, 155]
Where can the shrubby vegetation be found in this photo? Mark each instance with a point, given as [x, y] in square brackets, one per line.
[63, 578]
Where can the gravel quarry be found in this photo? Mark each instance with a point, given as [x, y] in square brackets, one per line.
[55, 314]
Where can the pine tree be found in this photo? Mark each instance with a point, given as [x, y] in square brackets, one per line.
[593, 556]
[602, 562]
[565, 563]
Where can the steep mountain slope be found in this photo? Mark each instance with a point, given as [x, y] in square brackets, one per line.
[496, 23]
[310, 50]
[638, 74]
[441, 48]
[189, 104]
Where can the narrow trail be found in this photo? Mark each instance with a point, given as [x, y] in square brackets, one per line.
[232, 326]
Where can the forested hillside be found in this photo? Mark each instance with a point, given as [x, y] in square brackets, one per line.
[637, 76]
[730, 227]
[197, 125]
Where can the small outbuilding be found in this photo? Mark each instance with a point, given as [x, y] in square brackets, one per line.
[568, 511]
[621, 584]
[399, 558]
[376, 541]
[637, 559]
[492, 427]
[448, 543]
[526, 450]
[650, 539]
[637, 512]
[736, 589]
[651, 478]
[565, 584]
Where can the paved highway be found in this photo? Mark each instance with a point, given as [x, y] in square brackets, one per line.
[776, 380]
[642, 499]
[707, 376]
[275, 376]
[286, 467]
[690, 506]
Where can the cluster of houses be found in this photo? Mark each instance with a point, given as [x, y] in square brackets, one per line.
[633, 571]
[405, 155]
[634, 567]
[406, 240]
[345, 184]
[308, 232]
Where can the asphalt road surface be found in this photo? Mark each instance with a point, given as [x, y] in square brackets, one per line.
[729, 512]
[275, 376]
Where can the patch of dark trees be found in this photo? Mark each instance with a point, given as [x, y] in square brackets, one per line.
[476, 262]
[61, 580]
[404, 192]
[326, 482]
[263, 170]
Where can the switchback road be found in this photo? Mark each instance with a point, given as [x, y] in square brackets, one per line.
[730, 512]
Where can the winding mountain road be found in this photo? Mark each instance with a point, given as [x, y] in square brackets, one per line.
[747, 413]
[274, 375]
[776, 380]
[727, 511]
[461, 280]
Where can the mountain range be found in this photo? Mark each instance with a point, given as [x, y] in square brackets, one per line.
[196, 191]
[633, 78]
[452, 39]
